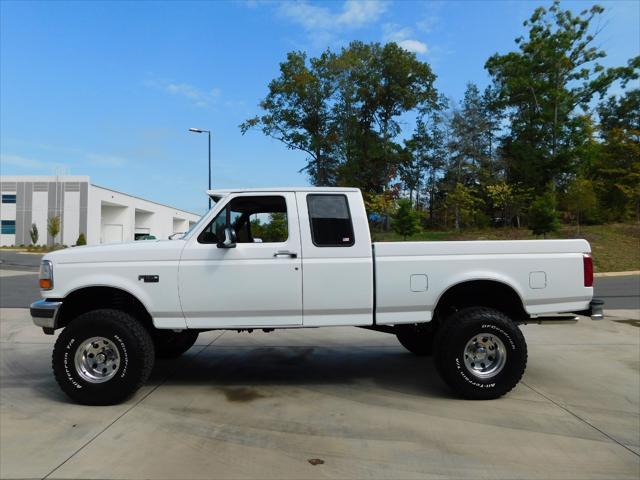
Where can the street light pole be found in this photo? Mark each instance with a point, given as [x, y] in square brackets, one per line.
[209, 133]
[199, 130]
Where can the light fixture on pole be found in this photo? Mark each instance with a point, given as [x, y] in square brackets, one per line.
[199, 130]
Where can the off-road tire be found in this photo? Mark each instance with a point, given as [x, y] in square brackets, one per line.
[452, 338]
[170, 344]
[418, 339]
[135, 349]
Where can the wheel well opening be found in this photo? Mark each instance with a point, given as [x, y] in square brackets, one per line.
[481, 293]
[92, 298]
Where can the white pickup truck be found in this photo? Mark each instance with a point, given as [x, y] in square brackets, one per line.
[303, 257]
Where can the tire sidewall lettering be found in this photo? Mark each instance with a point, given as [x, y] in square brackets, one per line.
[504, 334]
[68, 368]
[125, 356]
[467, 376]
[463, 373]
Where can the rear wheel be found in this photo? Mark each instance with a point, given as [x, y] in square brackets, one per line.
[418, 338]
[102, 357]
[480, 353]
[170, 344]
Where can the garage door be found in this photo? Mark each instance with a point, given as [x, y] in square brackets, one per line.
[111, 233]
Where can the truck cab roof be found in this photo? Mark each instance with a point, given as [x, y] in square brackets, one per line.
[219, 193]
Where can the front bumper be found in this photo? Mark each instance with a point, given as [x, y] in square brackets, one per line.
[45, 314]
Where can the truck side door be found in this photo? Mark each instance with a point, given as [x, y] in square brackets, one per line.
[257, 283]
[337, 259]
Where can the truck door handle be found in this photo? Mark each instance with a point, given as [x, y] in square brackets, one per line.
[287, 253]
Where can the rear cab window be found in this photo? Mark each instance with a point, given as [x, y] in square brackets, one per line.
[330, 220]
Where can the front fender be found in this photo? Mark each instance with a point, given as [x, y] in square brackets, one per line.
[160, 298]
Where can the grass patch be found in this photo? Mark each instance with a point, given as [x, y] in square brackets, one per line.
[616, 247]
[35, 248]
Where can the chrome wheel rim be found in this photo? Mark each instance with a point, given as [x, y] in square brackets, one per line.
[485, 355]
[97, 360]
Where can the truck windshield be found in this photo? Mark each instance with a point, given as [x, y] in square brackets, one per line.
[214, 202]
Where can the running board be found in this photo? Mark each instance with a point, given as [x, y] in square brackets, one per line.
[552, 320]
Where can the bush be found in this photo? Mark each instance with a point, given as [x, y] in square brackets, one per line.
[81, 240]
[405, 220]
[33, 233]
[543, 216]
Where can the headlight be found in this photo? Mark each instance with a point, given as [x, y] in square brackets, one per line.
[46, 275]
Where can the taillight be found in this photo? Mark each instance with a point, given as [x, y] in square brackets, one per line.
[587, 263]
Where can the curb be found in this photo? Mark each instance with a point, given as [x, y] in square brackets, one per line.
[617, 274]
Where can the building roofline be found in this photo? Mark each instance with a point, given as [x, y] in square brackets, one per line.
[146, 200]
[45, 178]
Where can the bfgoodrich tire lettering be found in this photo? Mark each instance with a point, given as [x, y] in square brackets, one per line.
[469, 330]
[133, 347]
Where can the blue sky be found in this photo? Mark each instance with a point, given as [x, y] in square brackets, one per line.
[109, 89]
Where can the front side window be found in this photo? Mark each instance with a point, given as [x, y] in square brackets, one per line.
[8, 227]
[330, 221]
[8, 198]
[255, 219]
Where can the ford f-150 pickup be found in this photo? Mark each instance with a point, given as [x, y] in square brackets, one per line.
[303, 257]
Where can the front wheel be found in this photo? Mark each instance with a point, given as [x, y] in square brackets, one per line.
[102, 357]
[480, 353]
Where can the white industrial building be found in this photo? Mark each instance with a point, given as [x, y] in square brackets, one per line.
[102, 214]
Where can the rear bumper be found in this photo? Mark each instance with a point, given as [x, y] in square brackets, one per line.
[44, 313]
[595, 310]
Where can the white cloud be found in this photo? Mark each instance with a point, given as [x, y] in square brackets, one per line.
[361, 12]
[311, 17]
[354, 13]
[415, 46]
[198, 97]
[402, 36]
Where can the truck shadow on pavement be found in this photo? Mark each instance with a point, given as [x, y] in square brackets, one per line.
[234, 369]
[245, 374]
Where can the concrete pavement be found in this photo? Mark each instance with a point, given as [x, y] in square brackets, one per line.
[271, 405]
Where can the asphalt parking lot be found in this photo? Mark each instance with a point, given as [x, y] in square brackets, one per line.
[327, 403]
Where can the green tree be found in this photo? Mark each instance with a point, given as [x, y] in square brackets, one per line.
[464, 203]
[616, 168]
[377, 85]
[405, 220]
[551, 78]
[581, 199]
[298, 113]
[33, 233]
[543, 216]
[53, 227]
[382, 204]
[274, 229]
[81, 240]
[502, 197]
[343, 110]
[425, 158]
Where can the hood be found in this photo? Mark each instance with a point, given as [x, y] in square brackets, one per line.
[139, 251]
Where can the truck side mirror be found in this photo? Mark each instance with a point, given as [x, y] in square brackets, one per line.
[227, 237]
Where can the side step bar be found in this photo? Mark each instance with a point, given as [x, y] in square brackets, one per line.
[552, 320]
[595, 311]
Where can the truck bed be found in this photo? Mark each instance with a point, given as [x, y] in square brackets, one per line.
[410, 277]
